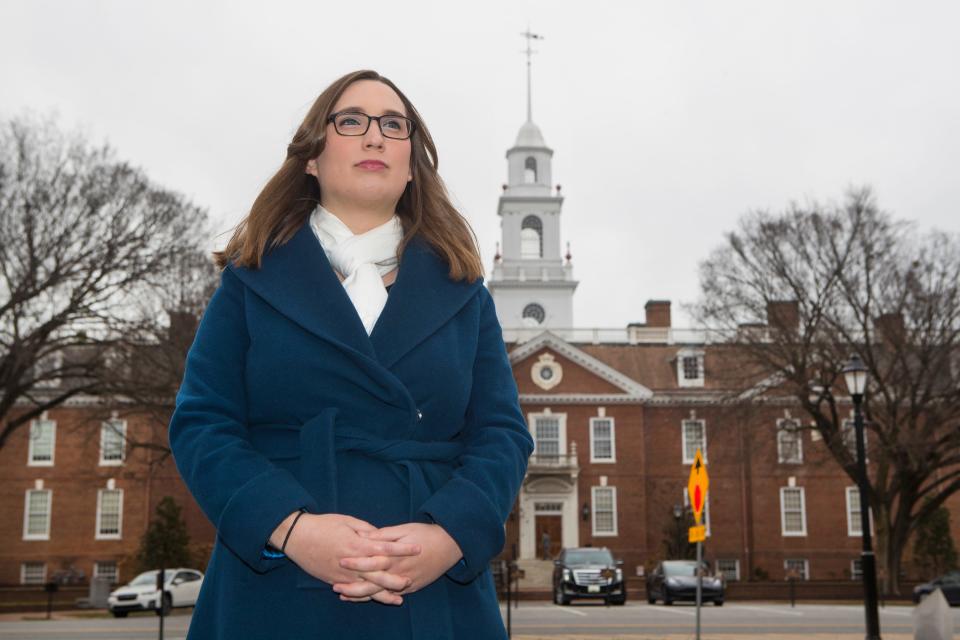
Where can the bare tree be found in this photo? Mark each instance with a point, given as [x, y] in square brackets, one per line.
[147, 361]
[800, 292]
[84, 239]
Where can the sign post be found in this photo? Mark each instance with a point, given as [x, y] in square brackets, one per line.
[697, 490]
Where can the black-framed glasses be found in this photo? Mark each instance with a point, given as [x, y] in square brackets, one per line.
[356, 123]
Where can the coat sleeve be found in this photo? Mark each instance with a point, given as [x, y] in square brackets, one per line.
[242, 493]
[475, 502]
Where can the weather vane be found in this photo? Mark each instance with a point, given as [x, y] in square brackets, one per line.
[529, 36]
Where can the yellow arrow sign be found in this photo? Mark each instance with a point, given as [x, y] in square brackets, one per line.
[697, 486]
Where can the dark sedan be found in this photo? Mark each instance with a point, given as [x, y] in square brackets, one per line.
[949, 584]
[675, 580]
[588, 572]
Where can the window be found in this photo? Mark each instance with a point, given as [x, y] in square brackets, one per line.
[856, 570]
[799, 566]
[854, 523]
[549, 431]
[533, 314]
[36, 514]
[729, 569]
[602, 445]
[690, 368]
[548, 508]
[33, 573]
[789, 442]
[112, 438]
[43, 435]
[848, 432]
[604, 511]
[705, 516]
[531, 238]
[793, 517]
[694, 436]
[530, 170]
[109, 513]
[106, 570]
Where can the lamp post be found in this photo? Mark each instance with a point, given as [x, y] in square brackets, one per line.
[855, 373]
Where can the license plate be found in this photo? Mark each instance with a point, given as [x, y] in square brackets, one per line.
[593, 588]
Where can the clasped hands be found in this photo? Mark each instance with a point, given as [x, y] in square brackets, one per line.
[363, 562]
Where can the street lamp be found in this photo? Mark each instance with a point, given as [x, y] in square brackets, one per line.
[855, 373]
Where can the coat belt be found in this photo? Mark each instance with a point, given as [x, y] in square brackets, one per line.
[317, 442]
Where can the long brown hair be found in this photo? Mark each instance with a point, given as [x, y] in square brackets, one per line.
[291, 195]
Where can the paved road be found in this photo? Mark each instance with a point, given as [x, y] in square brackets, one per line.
[537, 620]
[734, 620]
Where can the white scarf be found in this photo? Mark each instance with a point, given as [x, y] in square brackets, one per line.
[362, 258]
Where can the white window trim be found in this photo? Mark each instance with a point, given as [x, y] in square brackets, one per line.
[806, 567]
[23, 573]
[736, 566]
[53, 447]
[561, 429]
[98, 571]
[104, 426]
[798, 432]
[706, 508]
[593, 513]
[803, 514]
[683, 439]
[692, 382]
[109, 536]
[850, 519]
[26, 514]
[613, 441]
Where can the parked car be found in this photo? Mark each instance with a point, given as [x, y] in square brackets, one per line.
[949, 584]
[181, 589]
[588, 572]
[674, 580]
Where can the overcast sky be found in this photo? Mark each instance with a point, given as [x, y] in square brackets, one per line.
[668, 120]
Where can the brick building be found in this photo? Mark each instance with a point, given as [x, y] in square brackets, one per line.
[616, 415]
[78, 495]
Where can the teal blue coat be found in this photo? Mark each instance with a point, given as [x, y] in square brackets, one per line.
[286, 402]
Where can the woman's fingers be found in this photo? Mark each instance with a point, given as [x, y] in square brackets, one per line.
[387, 597]
[371, 583]
[367, 563]
[384, 548]
[386, 580]
[386, 533]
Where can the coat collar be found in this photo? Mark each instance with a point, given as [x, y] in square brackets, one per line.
[297, 279]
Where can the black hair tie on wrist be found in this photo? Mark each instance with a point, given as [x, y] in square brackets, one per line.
[283, 548]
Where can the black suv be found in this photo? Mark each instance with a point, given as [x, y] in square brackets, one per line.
[588, 572]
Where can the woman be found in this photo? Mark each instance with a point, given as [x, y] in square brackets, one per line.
[358, 451]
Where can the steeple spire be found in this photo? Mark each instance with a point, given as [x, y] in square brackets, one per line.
[529, 36]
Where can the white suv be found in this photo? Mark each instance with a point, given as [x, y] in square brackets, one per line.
[181, 588]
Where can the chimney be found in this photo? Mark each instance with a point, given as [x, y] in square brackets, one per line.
[658, 313]
[783, 315]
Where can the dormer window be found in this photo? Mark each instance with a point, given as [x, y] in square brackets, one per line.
[690, 368]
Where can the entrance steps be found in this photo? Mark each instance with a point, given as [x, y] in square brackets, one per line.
[538, 574]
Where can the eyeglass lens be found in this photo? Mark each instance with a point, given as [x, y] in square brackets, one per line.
[355, 124]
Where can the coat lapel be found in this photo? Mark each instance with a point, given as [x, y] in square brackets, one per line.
[298, 281]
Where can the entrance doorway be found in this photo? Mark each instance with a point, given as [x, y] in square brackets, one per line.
[549, 529]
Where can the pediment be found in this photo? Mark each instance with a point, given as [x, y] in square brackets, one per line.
[564, 361]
